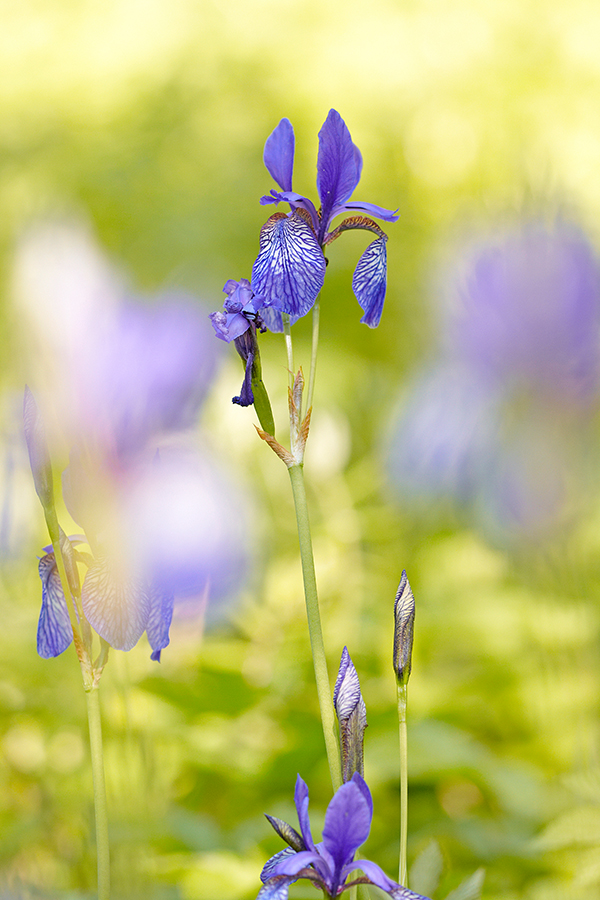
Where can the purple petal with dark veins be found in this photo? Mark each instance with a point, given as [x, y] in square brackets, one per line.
[272, 863]
[159, 621]
[116, 606]
[54, 632]
[289, 270]
[369, 281]
[279, 154]
[339, 166]
[347, 823]
[276, 888]
[402, 893]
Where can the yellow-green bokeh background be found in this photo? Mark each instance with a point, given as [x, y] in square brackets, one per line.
[148, 117]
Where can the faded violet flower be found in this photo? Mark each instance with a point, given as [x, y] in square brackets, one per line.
[290, 268]
[502, 421]
[126, 380]
[352, 717]
[328, 864]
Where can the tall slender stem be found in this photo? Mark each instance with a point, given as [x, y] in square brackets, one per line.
[314, 627]
[102, 846]
[313, 355]
[287, 331]
[403, 782]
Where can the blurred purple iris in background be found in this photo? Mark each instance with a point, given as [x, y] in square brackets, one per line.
[123, 380]
[290, 268]
[502, 420]
[328, 865]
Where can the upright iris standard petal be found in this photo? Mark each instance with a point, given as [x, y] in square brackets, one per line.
[301, 802]
[289, 270]
[347, 824]
[339, 165]
[369, 281]
[118, 608]
[54, 628]
[279, 154]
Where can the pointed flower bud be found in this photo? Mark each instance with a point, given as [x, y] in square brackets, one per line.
[404, 618]
[352, 715]
[287, 833]
[39, 457]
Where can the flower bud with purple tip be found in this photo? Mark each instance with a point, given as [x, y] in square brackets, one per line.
[352, 715]
[404, 620]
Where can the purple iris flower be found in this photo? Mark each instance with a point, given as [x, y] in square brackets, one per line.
[502, 421]
[126, 380]
[290, 268]
[328, 864]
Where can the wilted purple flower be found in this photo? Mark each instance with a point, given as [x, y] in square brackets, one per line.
[290, 268]
[328, 865]
[352, 716]
[239, 323]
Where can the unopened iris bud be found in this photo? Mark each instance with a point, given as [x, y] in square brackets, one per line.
[287, 833]
[404, 619]
[352, 715]
[37, 447]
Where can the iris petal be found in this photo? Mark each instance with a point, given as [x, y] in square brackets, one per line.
[369, 281]
[54, 628]
[279, 154]
[289, 270]
[159, 621]
[272, 863]
[301, 802]
[339, 165]
[276, 888]
[347, 823]
[117, 608]
[388, 215]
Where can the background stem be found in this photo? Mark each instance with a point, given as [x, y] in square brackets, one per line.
[314, 627]
[102, 846]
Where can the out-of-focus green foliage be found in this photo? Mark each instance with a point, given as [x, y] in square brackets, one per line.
[149, 119]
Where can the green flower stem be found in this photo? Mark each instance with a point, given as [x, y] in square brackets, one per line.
[313, 356]
[102, 846]
[314, 627]
[403, 782]
[287, 331]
